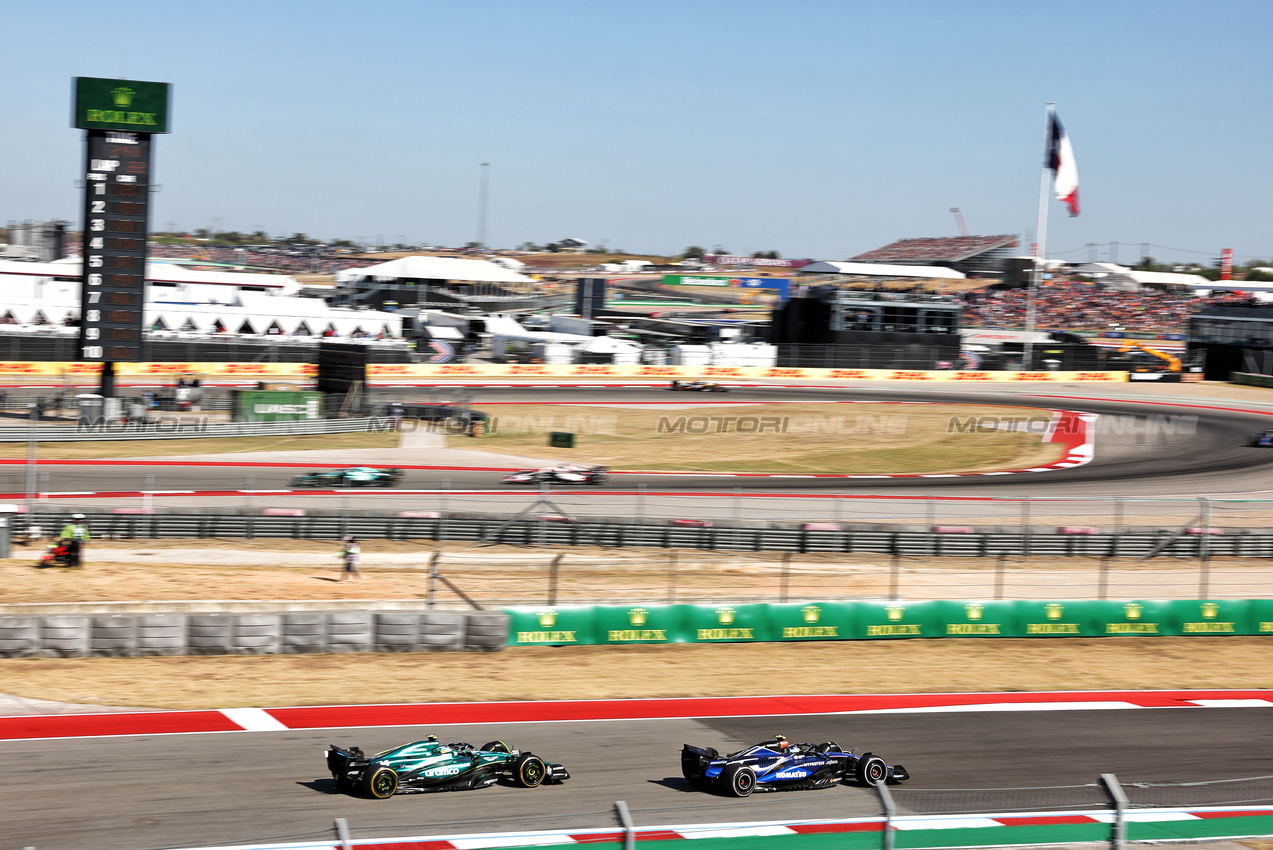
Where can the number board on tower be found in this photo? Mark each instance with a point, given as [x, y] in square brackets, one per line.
[116, 214]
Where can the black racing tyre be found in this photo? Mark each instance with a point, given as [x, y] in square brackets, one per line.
[740, 779]
[530, 771]
[496, 747]
[871, 770]
[380, 782]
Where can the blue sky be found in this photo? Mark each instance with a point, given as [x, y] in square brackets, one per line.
[818, 129]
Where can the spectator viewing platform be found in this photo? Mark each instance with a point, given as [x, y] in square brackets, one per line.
[969, 254]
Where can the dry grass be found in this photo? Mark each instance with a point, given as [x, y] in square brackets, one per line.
[631, 672]
[99, 450]
[175, 570]
[864, 439]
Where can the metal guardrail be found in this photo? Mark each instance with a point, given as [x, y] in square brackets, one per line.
[190, 430]
[552, 531]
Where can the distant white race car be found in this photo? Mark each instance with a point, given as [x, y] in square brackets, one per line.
[564, 473]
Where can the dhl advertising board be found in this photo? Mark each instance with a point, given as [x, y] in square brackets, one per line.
[839, 620]
[415, 373]
[383, 373]
[133, 371]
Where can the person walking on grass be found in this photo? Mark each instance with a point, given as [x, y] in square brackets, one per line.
[349, 553]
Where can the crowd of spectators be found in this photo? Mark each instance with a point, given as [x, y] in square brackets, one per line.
[1081, 306]
[308, 260]
[936, 249]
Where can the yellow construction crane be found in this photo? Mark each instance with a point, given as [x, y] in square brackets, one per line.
[1172, 361]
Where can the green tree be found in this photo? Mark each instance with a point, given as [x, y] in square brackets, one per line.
[693, 251]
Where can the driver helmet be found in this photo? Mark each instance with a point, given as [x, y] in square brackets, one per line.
[77, 516]
[783, 743]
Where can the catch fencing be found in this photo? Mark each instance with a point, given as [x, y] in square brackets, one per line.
[1108, 811]
[254, 633]
[501, 560]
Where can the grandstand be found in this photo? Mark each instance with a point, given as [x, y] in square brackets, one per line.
[981, 256]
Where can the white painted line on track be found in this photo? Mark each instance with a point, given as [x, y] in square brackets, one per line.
[944, 823]
[740, 832]
[1232, 703]
[254, 719]
[503, 841]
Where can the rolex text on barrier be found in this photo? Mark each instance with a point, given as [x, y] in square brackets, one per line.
[551, 625]
[977, 619]
[811, 620]
[884, 620]
[639, 624]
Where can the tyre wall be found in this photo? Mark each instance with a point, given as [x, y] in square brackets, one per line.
[291, 632]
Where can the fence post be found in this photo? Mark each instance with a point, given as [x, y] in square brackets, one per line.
[999, 569]
[625, 819]
[738, 532]
[893, 574]
[1025, 528]
[249, 531]
[785, 577]
[431, 596]
[671, 577]
[1103, 585]
[1118, 839]
[890, 811]
[1204, 549]
[342, 833]
[554, 568]
[446, 491]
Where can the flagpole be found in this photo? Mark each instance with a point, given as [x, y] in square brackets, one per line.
[1041, 235]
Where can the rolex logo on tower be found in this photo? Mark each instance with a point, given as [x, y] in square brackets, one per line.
[123, 96]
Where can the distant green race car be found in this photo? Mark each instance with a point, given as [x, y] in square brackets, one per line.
[355, 476]
[431, 766]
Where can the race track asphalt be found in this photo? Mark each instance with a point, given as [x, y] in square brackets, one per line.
[140, 793]
[1203, 457]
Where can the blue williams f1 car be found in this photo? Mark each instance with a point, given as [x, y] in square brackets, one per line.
[432, 766]
[780, 765]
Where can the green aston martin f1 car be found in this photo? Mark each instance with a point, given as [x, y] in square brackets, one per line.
[355, 476]
[430, 766]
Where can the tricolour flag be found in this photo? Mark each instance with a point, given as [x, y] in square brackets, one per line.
[1060, 158]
